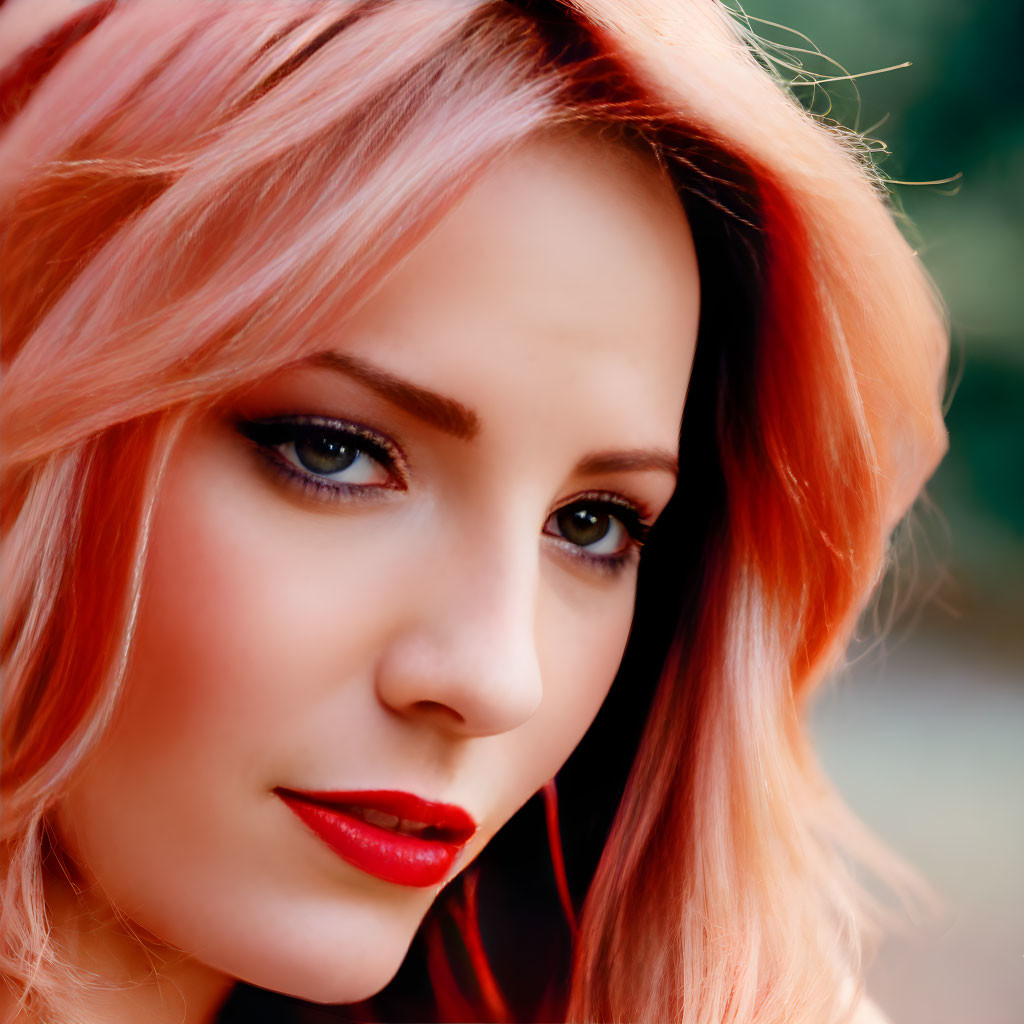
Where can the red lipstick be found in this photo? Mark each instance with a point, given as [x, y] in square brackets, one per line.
[394, 836]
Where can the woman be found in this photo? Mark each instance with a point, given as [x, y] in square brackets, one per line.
[346, 347]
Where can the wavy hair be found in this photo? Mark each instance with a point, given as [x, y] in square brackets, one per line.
[192, 192]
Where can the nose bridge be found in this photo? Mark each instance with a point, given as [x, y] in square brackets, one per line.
[468, 655]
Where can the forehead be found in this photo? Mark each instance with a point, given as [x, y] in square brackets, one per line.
[567, 270]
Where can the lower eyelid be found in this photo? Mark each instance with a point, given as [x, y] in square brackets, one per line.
[606, 564]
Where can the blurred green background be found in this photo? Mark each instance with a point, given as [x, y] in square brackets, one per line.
[956, 112]
[924, 734]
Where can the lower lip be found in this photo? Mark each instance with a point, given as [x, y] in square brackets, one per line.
[391, 856]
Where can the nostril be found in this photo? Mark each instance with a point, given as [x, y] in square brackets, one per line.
[435, 707]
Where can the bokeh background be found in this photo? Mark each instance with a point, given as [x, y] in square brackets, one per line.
[924, 734]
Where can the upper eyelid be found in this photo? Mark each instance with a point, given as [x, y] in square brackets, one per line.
[634, 508]
[394, 456]
[609, 497]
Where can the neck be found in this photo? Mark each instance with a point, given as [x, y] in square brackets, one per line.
[133, 976]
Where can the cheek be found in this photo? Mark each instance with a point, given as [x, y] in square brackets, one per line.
[212, 655]
[194, 719]
[581, 638]
[258, 623]
[246, 647]
[254, 616]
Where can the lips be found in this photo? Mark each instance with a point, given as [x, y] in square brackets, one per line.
[394, 836]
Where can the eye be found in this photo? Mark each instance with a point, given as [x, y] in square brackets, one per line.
[325, 455]
[602, 527]
[335, 456]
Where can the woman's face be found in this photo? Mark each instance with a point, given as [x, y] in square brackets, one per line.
[403, 571]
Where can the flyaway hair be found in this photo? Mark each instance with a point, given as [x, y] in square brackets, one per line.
[194, 194]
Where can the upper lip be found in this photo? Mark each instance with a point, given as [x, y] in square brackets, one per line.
[452, 823]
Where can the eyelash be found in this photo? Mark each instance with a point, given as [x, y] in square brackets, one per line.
[269, 435]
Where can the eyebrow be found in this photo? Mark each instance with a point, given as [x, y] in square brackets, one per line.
[446, 414]
[627, 461]
[459, 421]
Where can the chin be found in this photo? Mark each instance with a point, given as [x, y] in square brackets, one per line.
[338, 986]
[317, 967]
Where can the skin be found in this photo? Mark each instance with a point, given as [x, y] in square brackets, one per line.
[436, 637]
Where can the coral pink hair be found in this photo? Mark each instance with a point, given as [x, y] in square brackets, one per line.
[193, 194]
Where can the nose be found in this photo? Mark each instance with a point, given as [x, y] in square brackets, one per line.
[465, 658]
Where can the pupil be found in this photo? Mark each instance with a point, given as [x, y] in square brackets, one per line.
[324, 455]
[582, 527]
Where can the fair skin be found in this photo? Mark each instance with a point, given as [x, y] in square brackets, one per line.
[446, 625]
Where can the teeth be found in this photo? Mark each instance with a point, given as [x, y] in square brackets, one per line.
[379, 818]
[390, 821]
